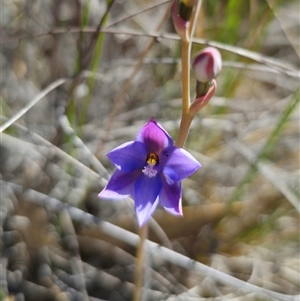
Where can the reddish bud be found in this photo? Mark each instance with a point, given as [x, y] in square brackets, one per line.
[181, 14]
[207, 64]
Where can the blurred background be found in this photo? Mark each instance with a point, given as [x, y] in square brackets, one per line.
[96, 71]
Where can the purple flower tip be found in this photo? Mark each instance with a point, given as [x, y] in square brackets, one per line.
[207, 64]
[150, 169]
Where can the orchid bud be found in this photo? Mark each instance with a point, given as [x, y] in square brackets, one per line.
[181, 14]
[207, 64]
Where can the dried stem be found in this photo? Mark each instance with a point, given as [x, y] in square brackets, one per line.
[275, 64]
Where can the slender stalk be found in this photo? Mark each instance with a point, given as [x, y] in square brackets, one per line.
[186, 117]
[139, 270]
[96, 47]
[185, 120]
[185, 62]
[184, 128]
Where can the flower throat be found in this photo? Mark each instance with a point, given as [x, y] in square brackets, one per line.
[150, 168]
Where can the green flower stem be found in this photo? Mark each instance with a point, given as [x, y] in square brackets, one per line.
[139, 270]
[97, 49]
[186, 119]
[187, 116]
[185, 62]
[184, 128]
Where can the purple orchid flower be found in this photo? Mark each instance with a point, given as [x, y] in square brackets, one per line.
[150, 169]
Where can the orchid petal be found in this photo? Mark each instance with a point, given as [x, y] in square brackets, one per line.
[177, 164]
[154, 136]
[150, 169]
[129, 156]
[146, 193]
[170, 197]
[120, 185]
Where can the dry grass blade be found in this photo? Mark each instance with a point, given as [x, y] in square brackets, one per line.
[268, 171]
[132, 239]
[272, 63]
[33, 102]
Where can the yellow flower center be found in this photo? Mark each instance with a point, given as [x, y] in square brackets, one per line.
[151, 169]
[152, 159]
